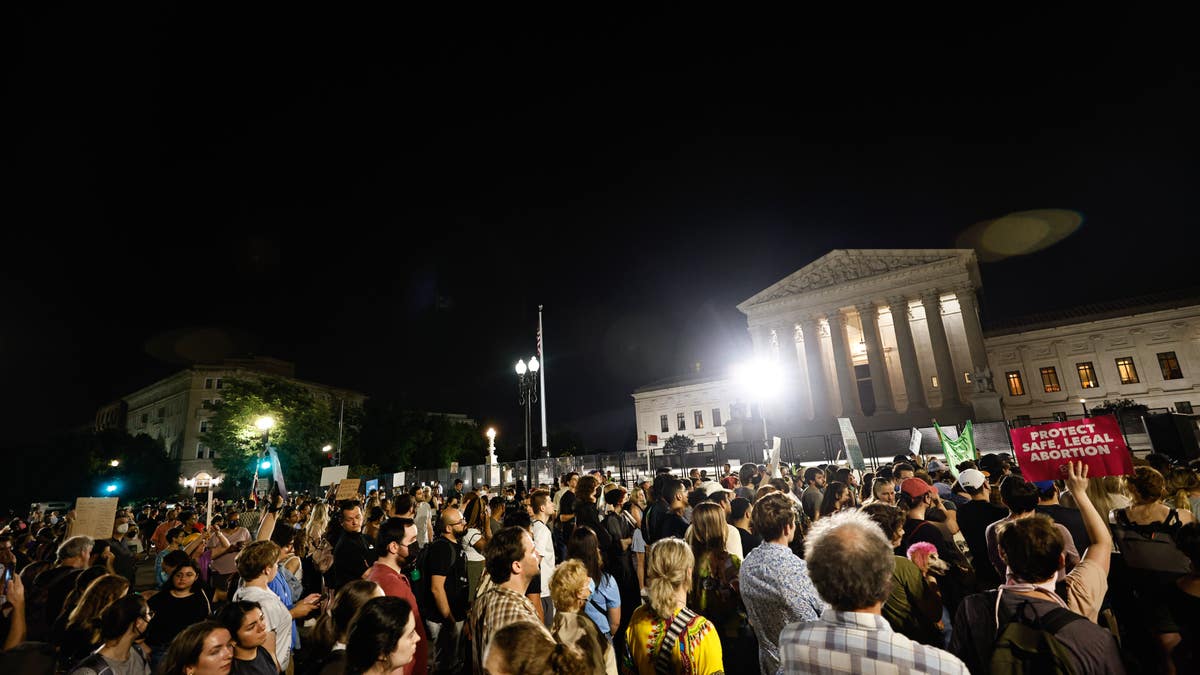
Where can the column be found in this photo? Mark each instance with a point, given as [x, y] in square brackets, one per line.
[971, 326]
[947, 379]
[914, 388]
[794, 397]
[847, 384]
[868, 314]
[818, 390]
[761, 337]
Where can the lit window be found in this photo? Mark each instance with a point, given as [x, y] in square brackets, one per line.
[662, 421]
[699, 418]
[1050, 380]
[1015, 388]
[1127, 370]
[1170, 366]
[679, 422]
[933, 381]
[1087, 375]
[966, 377]
[716, 417]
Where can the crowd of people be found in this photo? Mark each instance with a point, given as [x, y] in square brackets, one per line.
[913, 567]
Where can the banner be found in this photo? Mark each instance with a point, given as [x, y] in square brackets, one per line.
[960, 450]
[348, 489]
[850, 440]
[94, 517]
[333, 474]
[1096, 441]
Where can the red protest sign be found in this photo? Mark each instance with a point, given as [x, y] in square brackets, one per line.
[1096, 441]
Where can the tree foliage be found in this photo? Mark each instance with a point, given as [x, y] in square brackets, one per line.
[677, 444]
[304, 423]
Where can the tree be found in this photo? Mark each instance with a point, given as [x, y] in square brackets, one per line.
[304, 422]
[678, 444]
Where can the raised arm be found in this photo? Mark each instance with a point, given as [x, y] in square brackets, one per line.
[1100, 551]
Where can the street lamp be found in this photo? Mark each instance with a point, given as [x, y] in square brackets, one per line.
[203, 480]
[527, 386]
[760, 382]
[1083, 402]
[115, 463]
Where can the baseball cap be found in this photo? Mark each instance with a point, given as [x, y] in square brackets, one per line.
[915, 487]
[943, 489]
[713, 488]
[1044, 484]
[935, 465]
[971, 478]
[728, 482]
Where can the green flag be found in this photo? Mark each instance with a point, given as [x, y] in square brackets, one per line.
[960, 450]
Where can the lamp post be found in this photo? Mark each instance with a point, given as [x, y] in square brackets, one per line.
[264, 424]
[527, 389]
[1083, 402]
[203, 480]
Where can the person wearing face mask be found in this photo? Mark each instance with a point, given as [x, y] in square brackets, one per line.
[396, 544]
[123, 558]
[122, 623]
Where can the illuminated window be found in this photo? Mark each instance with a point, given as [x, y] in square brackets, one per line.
[1127, 370]
[679, 422]
[1170, 366]
[716, 417]
[1050, 380]
[966, 377]
[699, 419]
[933, 381]
[1015, 388]
[662, 422]
[1087, 375]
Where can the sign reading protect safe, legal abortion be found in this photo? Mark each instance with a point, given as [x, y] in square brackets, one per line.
[1095, 441]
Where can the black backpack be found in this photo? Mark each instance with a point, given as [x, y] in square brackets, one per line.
[420, 582]
[1026, 643]
[1150, 548]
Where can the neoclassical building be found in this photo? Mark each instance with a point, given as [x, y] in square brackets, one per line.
[893, 339]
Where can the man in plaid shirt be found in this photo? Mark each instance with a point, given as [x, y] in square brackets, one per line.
[850, 562]
[512, 562]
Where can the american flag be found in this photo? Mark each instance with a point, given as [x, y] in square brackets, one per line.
[539, 339]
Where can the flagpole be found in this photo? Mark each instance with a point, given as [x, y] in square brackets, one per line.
[542, 382]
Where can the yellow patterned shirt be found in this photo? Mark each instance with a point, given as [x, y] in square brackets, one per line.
[696, 652]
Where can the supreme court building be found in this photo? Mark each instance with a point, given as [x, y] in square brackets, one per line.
[892, 339]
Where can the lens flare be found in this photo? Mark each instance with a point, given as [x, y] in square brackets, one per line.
[1020, 233]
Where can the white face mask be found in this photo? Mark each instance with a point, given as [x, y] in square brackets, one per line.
[122, 528]
[53, 520]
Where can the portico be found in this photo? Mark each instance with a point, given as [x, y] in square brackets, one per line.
[889, 338]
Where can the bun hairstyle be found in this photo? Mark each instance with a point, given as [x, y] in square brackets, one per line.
[1147, 485]
[668, 568]
[527, 650]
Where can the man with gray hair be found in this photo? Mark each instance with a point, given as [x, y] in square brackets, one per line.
[850, 563]
[55, 584]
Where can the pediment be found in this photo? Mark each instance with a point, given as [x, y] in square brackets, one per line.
[851, 265]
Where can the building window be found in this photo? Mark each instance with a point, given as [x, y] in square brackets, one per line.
[679, 422]
[699, 417]
[220, 383]
[1050, 380]
[966, 377]
[716, 417]
[199, 451]
[662, 422]
[933, 381]
[211, 452]
[1170, 366]
[204, 426]
[162, 412]
[208, 383]
[145, 418]
[1015, 388]
[1127, 370]
[1087, 375]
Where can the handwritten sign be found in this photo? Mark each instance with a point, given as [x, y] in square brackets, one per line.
[348, 489]
[94, 517]
[1096, 441]
[333, 474]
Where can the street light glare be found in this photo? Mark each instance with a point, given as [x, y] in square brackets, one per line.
[534, 365]
[266, 464]
[115, 463]
[110, 488]
[326, 448]
[265, 423]
[521, 367]
[758, 379]
[491, 433]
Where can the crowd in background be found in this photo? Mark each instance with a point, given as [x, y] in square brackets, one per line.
[922, 566]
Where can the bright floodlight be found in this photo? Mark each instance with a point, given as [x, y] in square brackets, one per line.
[534, 365]
[115, 463]
[265, 423]
[491, 434]
[758, 379]
[521, 367]
[1083, 400]
[326, 448]
[110, 488]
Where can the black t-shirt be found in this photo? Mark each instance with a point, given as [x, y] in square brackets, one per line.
[123, 560]
[172, 615]
[670, 524]
[973, 520]
[566, 507]
[261, 664]
[749, 541]
[1071, 519]
[447, 559]
[351, 557]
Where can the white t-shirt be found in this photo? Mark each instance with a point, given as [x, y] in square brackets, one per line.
[469, 540]
[423, 516]
[279, 619]
[543, 542]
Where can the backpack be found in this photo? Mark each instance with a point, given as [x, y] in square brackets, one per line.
[420, 583]
[322, 554]
[1150, 548]
[1026, 644]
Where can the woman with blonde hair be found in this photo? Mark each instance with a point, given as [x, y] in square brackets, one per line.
[316, 545]
[476, 538]
[570, 593]
[1107, 493]
[424, 516]
[714, 593]
[82, 634]
[664, 629]
[1184, 487]
[522, 648]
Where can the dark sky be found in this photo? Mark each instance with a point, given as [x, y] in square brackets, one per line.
[386, 200]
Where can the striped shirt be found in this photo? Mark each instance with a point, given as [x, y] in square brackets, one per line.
[860, 643]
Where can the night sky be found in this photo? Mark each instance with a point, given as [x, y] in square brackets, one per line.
[386, 200]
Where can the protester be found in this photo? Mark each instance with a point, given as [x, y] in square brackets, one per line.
[524, 648]
[383, 638]
[837, 497]
[814, 493]
[176, 606]
[475, 539]
[851, 563]
[1183, 486]
[714, 589]
[543, 538]
[326, 650]
[446, 572]
[883, 490]
[257, 565]
[668, 520]
[352, 554]
[1183, 603]
[424, 516]
[123, 558]
[914, 606]
[247, 624]
[773, 581]
[55, 584]
[1021, 498]
[204, 648]
[1034, 550]
[974, 517]
[569, 588]
[1048, 505]
[664, 628]
[621, 525]
[82, 633]
[122, 623]
[919, 499]
[396, 545]
[604, 606]
[512, 563]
